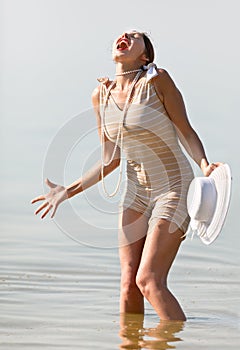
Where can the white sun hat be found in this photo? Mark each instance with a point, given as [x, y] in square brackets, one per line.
[208, 202]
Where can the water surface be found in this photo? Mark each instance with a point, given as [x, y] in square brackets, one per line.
[56, 293]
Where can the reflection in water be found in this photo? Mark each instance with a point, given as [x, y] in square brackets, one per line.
[135, 336]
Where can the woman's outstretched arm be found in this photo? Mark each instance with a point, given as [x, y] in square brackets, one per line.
[58, 194]
[94, 174]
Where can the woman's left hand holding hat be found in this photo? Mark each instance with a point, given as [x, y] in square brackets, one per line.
[207, 168]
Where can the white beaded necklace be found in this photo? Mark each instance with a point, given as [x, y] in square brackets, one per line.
[128, 72]
[119, 135]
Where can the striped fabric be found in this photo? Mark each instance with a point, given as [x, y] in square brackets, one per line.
[158, 173]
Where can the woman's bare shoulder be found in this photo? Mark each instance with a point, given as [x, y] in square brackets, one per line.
[163, 81]
[96, 92]
[164, 76]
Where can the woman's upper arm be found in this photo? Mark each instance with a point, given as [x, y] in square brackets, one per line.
[96, 107]
[109, 146]
[173, 102]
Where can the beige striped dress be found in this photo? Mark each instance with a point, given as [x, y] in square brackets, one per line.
[158, 172]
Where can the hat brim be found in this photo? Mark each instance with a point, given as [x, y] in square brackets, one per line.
[223, 182]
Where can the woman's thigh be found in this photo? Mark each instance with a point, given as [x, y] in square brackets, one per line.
[159, 252]
[133, 228]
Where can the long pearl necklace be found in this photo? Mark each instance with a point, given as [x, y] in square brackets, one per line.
[119, 136]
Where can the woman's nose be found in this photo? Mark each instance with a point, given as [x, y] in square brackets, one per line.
[124, 35]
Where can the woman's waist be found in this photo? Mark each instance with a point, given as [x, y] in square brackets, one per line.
[153, 166]
[158, 179]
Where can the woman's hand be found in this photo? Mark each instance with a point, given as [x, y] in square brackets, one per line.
[56, 195]
[208, 169]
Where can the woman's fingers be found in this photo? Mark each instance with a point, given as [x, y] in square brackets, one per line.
[211, 167]
[218, 163]
[42, 197]
[56, 195]
[215, 165]
[54, 211]
[46, 211]
[39, 198]
[49, 207]
[41, 207]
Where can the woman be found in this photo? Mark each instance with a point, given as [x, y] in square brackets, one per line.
[142, 113]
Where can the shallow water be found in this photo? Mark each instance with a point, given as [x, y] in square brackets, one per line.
[56, 293]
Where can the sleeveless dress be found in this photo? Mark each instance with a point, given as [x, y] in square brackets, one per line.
[158, 172]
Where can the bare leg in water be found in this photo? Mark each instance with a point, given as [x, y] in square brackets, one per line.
[145, 262]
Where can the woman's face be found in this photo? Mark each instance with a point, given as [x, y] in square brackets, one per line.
[129, 45]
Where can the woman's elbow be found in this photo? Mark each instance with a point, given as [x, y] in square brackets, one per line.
[115, 163]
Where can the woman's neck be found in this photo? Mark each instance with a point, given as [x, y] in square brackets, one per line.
[126, 66]
[125, 74]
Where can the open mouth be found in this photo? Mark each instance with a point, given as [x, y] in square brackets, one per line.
[122, 45]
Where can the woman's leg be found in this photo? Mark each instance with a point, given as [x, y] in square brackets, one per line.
[132, 233]
[159, 251]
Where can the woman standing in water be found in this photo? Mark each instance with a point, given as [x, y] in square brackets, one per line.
[142, 113]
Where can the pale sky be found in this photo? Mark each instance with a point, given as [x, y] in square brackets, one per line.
[52, 52]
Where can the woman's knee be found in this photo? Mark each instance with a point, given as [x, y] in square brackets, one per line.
[128, 284]
[148, 283]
